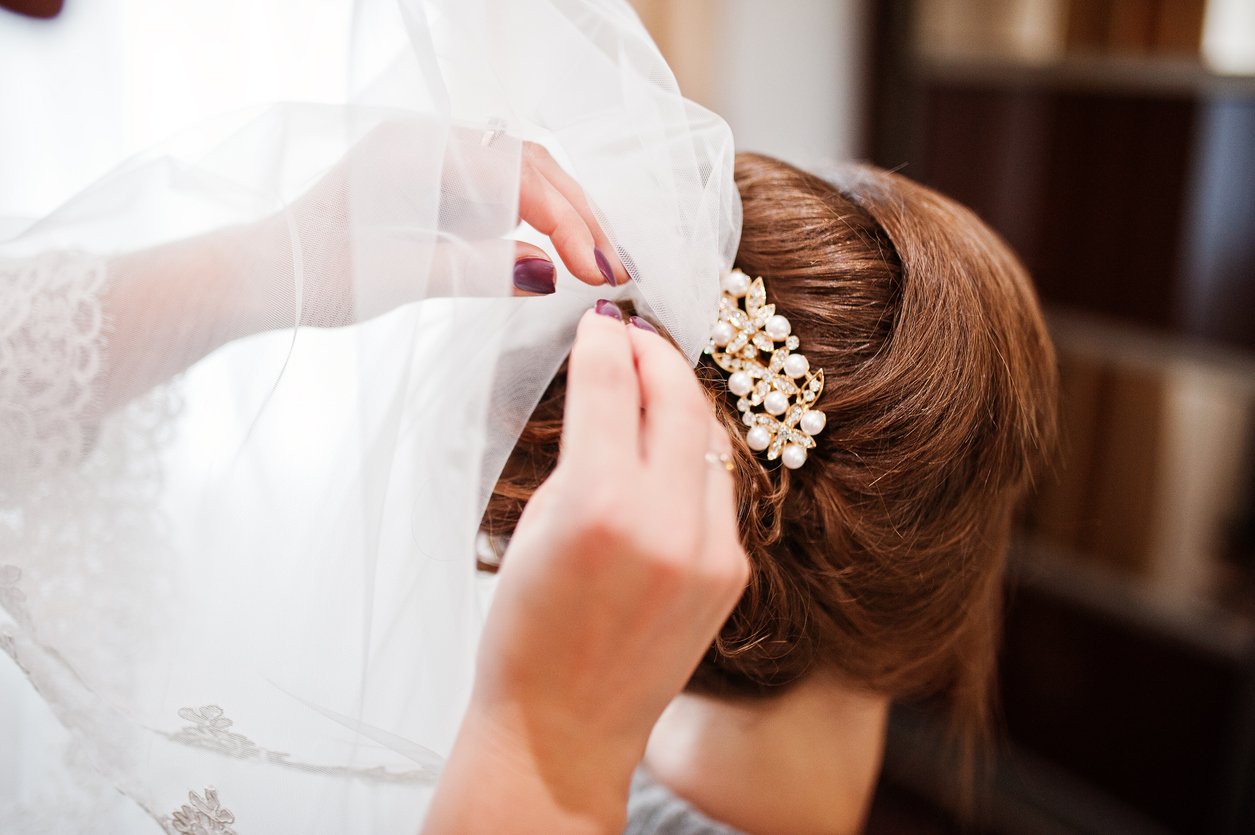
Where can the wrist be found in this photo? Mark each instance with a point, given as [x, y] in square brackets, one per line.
[537, 781]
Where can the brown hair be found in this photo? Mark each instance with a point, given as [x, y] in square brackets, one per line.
[883, 555]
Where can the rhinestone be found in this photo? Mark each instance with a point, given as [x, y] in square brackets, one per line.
[777, 443]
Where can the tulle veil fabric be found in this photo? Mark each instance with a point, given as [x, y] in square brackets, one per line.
[238, 518]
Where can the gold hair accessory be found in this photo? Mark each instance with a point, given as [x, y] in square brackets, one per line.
[785, 429]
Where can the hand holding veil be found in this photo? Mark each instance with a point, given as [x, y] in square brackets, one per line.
[249, 595]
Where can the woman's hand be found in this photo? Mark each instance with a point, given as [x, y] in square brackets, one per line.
[623, 568]
[481, 163]
[554, 204]
[387, 232]
[358, 259]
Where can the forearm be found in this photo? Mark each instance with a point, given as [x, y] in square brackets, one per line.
[168, 306]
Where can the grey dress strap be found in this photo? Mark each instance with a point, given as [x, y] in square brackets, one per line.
[654, 810]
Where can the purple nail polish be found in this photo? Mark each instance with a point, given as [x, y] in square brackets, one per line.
[534, 275]
[608, 308]
[642, 324]
[604, 266]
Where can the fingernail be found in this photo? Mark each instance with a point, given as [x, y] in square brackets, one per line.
[604, 266]
[642, 324]
[534, 275]
[608, 308]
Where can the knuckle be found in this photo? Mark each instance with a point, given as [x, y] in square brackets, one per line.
[678, 549]
[667, 574]
[570, 228]
[535, 153]
[529, 182]
[607, 376]
[739, 571]
[692, 410]
[729, 569]
[600, 519]
[719, 440]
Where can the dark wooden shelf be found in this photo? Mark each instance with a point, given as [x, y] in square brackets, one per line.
[1124, 182]
[1147, 75]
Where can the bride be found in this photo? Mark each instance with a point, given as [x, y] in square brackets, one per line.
[875, 514]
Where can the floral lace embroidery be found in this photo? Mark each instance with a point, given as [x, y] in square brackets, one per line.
[51, 340]
[211, 729]
[78, 489]
[201, 816]
[81, 533]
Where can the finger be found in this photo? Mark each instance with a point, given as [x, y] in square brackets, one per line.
[675, 425]
[601, 424]
[722, 549]
[548, 212]
[568, 188]
[534, 274]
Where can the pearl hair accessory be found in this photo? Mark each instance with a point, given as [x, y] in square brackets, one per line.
[787, 428]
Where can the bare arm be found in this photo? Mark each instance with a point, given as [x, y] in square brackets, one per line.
[169, 306]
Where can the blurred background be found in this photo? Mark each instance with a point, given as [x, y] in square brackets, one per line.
[1112, 142]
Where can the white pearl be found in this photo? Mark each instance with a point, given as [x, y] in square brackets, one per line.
[813, 422]
[758, 438]
[775, 403]
[796, 365]
[777, 327]
[740, 383]
[722, 334]
[736, 284]
[793, 456]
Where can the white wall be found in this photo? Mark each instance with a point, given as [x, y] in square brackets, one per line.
[789, 77]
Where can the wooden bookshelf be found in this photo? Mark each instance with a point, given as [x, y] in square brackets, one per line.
[1121, 167]
[1112, 74]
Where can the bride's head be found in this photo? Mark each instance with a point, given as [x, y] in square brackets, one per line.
[882, 557]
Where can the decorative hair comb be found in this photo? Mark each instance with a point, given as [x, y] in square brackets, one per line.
[785, 429]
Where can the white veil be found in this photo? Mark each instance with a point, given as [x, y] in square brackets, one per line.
[236, 547]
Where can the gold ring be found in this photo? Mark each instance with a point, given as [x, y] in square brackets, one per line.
[721, 459]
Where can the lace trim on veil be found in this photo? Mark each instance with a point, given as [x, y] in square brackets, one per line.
[77, 507]
[51, 341]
